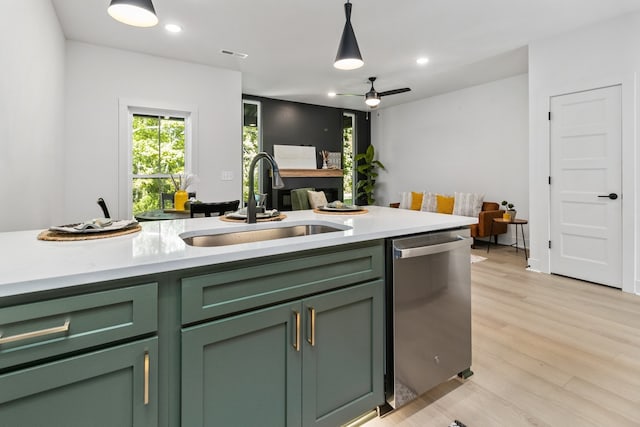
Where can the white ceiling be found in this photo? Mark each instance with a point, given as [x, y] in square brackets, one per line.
[292, 43]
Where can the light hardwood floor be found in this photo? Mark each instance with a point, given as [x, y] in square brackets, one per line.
[547, 351]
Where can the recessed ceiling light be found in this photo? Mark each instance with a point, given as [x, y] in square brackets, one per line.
[173, 28]
[331, 94]
[423, 60]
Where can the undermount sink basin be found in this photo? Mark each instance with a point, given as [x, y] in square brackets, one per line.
[211, 238]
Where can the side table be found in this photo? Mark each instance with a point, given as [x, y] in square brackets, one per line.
[516, 222]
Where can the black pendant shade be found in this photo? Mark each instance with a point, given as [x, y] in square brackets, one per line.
[348, 57]
[139, 13]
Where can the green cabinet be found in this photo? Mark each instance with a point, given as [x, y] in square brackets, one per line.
[81, 360]
[342, 359]
[285, 340]
[243, 370]
[112, 387]
[316, 361]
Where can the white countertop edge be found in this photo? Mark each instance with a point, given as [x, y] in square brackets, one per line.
[379, 223]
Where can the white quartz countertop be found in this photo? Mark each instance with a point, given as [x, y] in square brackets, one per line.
[31, 265]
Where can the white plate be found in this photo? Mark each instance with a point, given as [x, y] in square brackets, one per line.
[115, 225]
[259, 215]
[346, 208]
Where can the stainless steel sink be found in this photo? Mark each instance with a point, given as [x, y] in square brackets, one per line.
[211, 238]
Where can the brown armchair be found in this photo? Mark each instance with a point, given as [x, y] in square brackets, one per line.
[490, 210]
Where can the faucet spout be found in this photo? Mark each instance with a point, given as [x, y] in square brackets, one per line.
[276, 182]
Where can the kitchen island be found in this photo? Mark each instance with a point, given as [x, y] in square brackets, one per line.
[289, 331]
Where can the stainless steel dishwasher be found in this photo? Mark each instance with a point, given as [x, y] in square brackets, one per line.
[429, 317]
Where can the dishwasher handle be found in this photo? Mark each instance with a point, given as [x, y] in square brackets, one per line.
[431, 249]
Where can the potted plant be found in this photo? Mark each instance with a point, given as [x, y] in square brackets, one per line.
[510, 213]
[367, 168]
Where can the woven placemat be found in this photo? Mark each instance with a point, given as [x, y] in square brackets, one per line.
[273, 218]
[56, 236]
[359, 212]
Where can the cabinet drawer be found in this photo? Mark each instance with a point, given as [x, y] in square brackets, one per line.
[257, 284]
[113, 387]
[43, 329]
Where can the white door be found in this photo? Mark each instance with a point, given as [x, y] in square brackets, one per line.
[586, 198]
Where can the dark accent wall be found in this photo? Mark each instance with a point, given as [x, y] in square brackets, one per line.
[295, 123]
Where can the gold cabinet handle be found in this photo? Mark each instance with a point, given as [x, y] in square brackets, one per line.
[296, 344]
[36, 334]
[312, 316]
[146, 377]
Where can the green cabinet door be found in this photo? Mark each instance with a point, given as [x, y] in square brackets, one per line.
[343, 370]
[244, 370]
[260, 368]
[112, 387]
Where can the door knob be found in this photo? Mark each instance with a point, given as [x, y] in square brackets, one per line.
[612, 196]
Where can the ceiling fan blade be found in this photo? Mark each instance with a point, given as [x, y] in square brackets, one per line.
[348, 94]
[394, 91]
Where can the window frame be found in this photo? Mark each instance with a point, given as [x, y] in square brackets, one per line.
[258, 105]
[354, 166]
[127, 109]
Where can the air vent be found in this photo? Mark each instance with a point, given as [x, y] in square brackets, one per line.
[232, 53]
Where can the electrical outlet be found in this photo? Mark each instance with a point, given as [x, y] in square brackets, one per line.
[227, 176]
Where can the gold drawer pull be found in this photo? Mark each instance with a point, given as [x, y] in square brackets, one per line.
[296, 344]
[146, 377]
[312, 338]
[36, 334]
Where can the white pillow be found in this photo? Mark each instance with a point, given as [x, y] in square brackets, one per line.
[429, 202]
[405, 200]
[317, 199]
[468, 204]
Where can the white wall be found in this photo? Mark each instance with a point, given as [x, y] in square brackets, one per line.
[599, 55]
[472, 140]
[31, 114]
[98, 77]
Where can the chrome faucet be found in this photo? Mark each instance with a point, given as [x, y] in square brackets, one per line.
[276, 182]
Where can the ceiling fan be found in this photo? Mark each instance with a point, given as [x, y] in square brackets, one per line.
[372, 98]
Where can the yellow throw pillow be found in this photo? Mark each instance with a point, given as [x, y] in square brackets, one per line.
[445, 204]
[416, 201]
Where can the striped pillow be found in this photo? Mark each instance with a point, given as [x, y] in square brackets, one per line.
[468, 204]
[411, 200]
[429, 202]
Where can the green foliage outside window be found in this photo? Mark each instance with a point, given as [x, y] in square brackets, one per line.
[347, 164]
[250, 147]
[157, 152]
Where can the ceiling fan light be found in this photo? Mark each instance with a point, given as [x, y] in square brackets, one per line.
[348, 56]
[138, 13]
[372, 99]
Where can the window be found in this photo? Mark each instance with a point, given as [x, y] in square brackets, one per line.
[250, 144]
[155, 139]
[348, 134]
[157, 152]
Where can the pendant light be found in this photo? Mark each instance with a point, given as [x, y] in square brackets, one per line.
[139, 13]
[348, 57]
